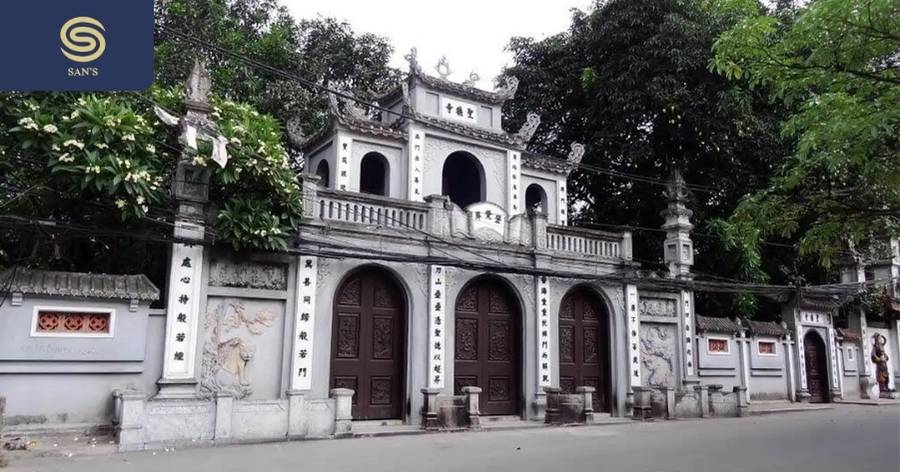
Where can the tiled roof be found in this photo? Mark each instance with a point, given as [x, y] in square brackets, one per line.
[717, 325]
[468, 91]
[546, 163]
[79, 284]
[767, 328]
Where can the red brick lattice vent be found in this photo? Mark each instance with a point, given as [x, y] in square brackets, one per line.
[62, 322]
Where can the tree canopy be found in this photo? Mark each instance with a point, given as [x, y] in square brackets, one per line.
[631, 80]
[836, 64]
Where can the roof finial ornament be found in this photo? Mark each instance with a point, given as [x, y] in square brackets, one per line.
[576, 154]
[676, 190]
[443, 68]
[508, 91]
[412, 58]
[198, 83]
[472, 80]
[526, 132]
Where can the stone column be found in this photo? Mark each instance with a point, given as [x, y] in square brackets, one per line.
[296, 419]
[437, 326]
[539, 231]
[789, 365]
[304, 323]
[633, 330]
[743, 406]
[715, 398]
[430, 419]
[3, 461]
[310, 183]
[343, 416]
[867, 377]
[627, 246]
[643, 403]
[678, 249]
[744, 346]
[703, 399]
[514, 190]
[587, 397]
[129, 418]
[833, 366]
[343, 169]
[669, 394]
[473, 411]
[438, 215]
[416, 164]
[185, 279]
[551, 415]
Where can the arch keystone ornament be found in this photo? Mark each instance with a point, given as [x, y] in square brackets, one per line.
[487, 221]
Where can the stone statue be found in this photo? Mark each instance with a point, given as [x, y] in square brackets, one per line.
[472, 80]
[508, 91]
[412, 58]
[198, 83]
[880, 359]
[443, 68]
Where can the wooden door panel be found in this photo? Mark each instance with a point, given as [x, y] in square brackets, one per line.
[584, 346]
[487, 346]
[368, 353]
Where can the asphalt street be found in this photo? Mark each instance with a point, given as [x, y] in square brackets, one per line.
[847, 439]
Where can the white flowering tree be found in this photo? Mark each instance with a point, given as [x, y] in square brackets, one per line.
[105, 161]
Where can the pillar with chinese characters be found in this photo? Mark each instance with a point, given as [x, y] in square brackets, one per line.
[185, 279]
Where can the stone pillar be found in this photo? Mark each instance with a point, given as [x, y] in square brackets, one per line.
[703, 399]
[627, 246]
[224, 408]
[744, 347]
[669, 393]
[742, 400]
[416, 161]
[343, 416]
[296, 417]
[311, 184]
[789, 365]
[715, 398]
[643, 403]
[678, 249]
[687, 301]
[544, 338]
[430, 419]
[833, 365]
[587, 396]
[867, 377]
[472, 409]
[438, 215]
[632, 335]
[185, 279]
[304, 323]
[514, 190]
[551, 415]
[539, 231]
[437, 326]
[129, 419]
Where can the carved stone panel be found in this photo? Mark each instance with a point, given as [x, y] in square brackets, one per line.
[242, 349]
[658, 307]
[259, 275]
[658, 344]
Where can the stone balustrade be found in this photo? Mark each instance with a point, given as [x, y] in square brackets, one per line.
[451, 412]
[438, 217]
[701, 401]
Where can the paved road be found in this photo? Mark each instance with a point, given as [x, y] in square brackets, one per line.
[846, 439]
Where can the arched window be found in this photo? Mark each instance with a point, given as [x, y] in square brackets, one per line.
[535, 199]
[373, 174]
[463, 179]
[324, 173]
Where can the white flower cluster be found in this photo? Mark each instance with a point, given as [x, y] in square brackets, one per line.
[137, 177]
[28, 123]
[74, 143]
[66, 158]
[92, 169]
[50, 129]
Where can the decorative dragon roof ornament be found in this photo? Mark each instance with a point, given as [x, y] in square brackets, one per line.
[576, 154]
[526, 132]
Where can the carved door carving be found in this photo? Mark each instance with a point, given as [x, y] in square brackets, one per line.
[816, 368]
[584, 346]
[367, 344]
[487, 346]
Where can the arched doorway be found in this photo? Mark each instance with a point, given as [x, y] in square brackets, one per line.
[324, 173]
[463, 179]
[368, 347]
[487, 354]
[535, 199]
[816, 367]
[584, 346]
[374, 174]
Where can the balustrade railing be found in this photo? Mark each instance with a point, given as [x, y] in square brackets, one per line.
[370, 210]
[582, 241]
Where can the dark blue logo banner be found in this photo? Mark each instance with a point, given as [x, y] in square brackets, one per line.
[82, 45]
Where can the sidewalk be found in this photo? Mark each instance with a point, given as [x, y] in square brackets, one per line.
[774, 407]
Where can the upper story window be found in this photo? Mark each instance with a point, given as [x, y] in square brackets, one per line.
[374, 174]
[536, 199]
[324, 173]
[463, 179]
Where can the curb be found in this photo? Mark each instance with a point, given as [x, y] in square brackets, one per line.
[775, 411]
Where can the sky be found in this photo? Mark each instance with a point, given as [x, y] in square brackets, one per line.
[471, 33]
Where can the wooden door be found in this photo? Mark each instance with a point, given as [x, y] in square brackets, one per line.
[368, 344]
[816, 368]
[584, 346]
[487, 346]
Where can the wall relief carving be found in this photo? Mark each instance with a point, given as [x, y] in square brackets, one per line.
[258, 275]
[658, 307]
[228, 350]
[658, 354]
